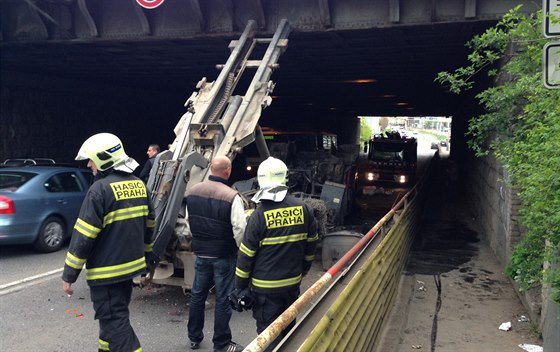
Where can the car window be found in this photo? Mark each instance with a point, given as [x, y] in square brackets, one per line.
[12, 180]
[88, 175]
[64, 182]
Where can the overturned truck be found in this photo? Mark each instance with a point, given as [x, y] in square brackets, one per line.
[319, 169]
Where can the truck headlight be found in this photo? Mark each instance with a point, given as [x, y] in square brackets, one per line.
[372, 176]
[401, 178]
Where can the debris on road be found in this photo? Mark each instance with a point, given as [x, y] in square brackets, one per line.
[76, 313]
[505, 326]
[531, 348]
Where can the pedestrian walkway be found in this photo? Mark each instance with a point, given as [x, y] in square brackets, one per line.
[453, 295]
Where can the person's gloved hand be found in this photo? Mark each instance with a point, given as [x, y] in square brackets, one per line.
[234, 300]
[247, 300]
[241, 299]
[152, 261]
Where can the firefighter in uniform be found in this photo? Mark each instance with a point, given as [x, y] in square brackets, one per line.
[112, 237]
[277, 250]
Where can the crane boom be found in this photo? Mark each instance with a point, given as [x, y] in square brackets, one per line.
[216, 122]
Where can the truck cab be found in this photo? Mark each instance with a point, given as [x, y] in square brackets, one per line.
[391, 161]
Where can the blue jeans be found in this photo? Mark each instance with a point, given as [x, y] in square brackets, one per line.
[221, 273]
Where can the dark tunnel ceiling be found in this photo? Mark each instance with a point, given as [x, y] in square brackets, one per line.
[314, 75]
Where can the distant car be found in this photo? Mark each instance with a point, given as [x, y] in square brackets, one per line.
[434, 145]
[39, 204]
[443, 143]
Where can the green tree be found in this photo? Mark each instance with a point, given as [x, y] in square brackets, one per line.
[429, 125]
[365, 131]
[521, 126]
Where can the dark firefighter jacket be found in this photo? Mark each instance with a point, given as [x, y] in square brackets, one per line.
[113, 231]
[209, 208]
[278, 246]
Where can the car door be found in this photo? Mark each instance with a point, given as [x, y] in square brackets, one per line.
[87, 178]
[66, 192]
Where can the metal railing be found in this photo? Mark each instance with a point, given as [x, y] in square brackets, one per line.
[355, 320]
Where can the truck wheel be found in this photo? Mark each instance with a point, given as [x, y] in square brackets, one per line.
[51, 235]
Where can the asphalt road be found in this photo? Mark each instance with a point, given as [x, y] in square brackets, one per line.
[38, 316]
[21, 262]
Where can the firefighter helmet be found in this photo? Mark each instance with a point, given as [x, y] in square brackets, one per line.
[272, 175]
[272, 172]
[106, 151]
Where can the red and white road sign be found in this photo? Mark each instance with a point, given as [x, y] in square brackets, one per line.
[149, 4]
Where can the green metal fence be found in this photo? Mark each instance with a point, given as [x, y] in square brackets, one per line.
[355, 321]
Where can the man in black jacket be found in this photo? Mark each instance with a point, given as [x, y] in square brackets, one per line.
[153, 150]
[278, 247]
[112, 237]
[216, 217]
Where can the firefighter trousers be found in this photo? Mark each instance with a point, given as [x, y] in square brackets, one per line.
[268, 307]
[110, 303]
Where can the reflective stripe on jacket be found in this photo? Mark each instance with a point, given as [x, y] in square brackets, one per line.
[278, 246]
[113, 231]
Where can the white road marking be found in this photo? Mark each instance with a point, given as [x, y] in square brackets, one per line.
[19, 284]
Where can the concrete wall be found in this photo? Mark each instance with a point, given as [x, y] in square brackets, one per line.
[551, 318]
[496, 207]
[51, 117]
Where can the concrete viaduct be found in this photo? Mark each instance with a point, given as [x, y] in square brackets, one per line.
[72, 67]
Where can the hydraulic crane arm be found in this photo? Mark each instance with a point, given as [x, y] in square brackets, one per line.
[216, 122]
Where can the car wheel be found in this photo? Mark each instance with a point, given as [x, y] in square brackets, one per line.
[51, 235]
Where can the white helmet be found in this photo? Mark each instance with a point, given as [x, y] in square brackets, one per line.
[272, 175]
[106, 151]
